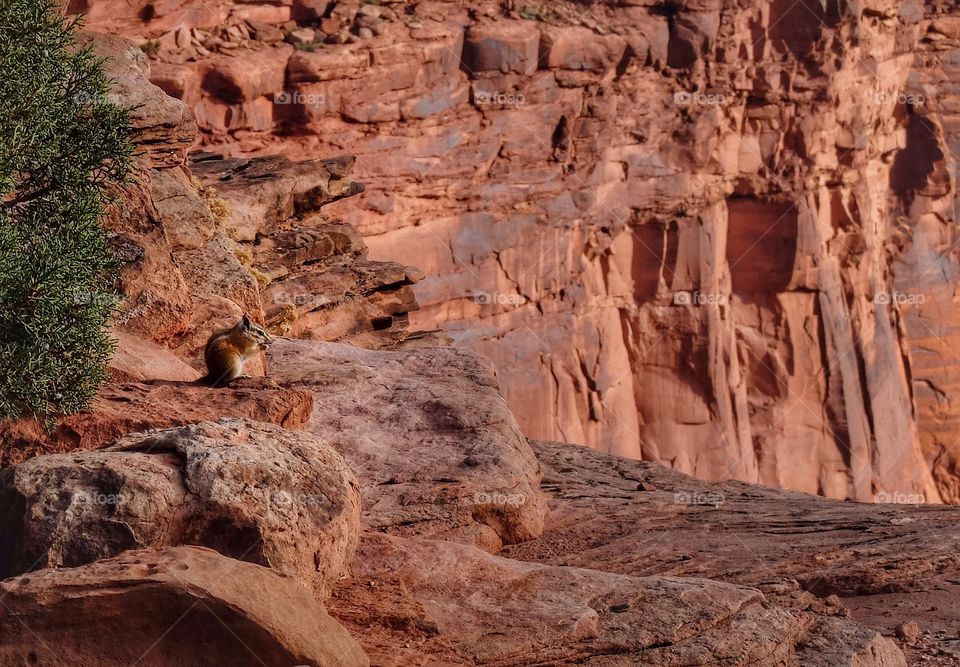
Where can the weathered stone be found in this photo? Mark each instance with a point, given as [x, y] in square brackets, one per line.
[435, 447]
[467, 606]
[733, 531]
[185, 216]
[163, 127]
[263, 192]
[503, 46]
[175, 606]
[249, 490]
[119, 409]
[237, 80]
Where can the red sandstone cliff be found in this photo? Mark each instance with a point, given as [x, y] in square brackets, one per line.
[712, 234]
[392, 486]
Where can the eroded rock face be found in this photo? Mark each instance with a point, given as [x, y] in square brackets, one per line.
[189, 240]
[677, 231]
[159, 607]
[466, 606]
[251, 491]
[315, 278]
[163, 127]
[437, 451]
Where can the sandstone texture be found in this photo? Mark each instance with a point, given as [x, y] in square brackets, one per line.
[437, 451]
[250, 491]
[128, 407]
[468, 607]
[885, 564]
[713, 235]
[184, 606]
[693, 528]
[193, 242]
[669, 224]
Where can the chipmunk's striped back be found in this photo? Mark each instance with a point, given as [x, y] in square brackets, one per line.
[228, 349]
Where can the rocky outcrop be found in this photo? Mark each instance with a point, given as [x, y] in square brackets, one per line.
[253, 492]
[193, 242]
[886, 564]
[592, 192]
[314, 275]
[466, 606]
[178, 606]
[437, 451]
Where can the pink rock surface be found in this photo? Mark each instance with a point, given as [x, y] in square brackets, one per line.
[464, 606]
[437, 451]
[677, 237]
[119, 409]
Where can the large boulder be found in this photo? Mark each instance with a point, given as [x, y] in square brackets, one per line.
[431, 438]
[184, 606]
[251, 491]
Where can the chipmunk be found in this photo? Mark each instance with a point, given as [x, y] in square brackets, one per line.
[228, 349]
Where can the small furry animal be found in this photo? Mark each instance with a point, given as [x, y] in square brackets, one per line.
[228, 349]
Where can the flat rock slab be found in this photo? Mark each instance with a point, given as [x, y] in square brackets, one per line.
[734, 531]
[184, 606]
[131, 407]
[436, 449]
[416, 601]
[251, 491]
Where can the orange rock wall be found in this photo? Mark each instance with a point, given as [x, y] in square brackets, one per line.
[713, 234]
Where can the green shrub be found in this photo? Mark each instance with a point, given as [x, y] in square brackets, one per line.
[63, 147]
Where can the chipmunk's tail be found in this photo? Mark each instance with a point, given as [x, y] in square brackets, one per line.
[209, 381]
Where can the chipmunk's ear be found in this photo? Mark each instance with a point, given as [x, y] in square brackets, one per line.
[245, 322]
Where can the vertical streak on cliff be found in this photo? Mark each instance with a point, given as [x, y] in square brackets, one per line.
[841, 339]
[923, 203]
[897, 458]
[729, 390]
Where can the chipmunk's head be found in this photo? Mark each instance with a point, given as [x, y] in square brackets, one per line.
[254, 333]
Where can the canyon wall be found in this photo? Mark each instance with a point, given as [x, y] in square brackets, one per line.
[718, 235]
